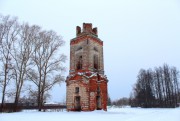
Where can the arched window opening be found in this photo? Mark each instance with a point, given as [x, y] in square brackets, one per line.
[79, 48]
[79, 63]
[95, 62]
[95, 49]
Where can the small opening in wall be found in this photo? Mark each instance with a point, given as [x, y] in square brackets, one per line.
[77, 90]
[79, 64]
[95, 62]
[79, 48]
[95, 49]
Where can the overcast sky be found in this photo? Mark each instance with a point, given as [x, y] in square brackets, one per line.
[136, 33]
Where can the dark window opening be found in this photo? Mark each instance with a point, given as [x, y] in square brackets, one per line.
[87, 41]
[77, 90]
[79, 48]
[95, 62]
[95, 49]
[98, 90]
[79, 63]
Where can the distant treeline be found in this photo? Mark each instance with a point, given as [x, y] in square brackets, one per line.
[121, 102]
[156, 88]
[9, 107]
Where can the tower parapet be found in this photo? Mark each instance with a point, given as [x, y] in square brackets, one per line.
[87, 29]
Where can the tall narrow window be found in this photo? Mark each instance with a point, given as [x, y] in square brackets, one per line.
[79, 63]
[77, 90]
[95, 62]
[98, 90]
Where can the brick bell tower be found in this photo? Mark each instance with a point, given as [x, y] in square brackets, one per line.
[86, 83]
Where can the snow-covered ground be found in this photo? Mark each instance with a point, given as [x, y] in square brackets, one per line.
[113, 114]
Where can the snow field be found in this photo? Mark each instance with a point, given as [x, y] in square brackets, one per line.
[113, 114]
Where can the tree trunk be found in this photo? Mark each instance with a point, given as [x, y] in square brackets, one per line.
[4, 88]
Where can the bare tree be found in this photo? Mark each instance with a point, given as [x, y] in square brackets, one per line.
[28, 53]
[158, 87]
[9, 28]
[47, 69]
[22, 51]
[175, 75]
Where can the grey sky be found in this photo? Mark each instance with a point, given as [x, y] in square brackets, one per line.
[136, 33]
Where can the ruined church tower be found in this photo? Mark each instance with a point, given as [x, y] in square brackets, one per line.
[86, 84]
